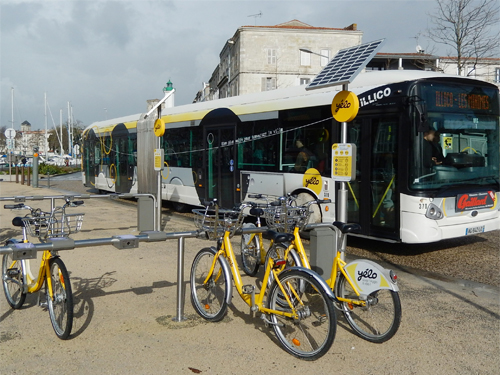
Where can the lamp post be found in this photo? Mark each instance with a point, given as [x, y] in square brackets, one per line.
[230, 43]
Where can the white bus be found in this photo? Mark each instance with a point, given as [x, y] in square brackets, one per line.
[408, 188]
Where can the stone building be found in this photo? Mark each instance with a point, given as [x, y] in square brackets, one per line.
[485, 69]
[262, 58]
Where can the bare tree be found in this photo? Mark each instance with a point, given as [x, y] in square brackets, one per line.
[469, 27]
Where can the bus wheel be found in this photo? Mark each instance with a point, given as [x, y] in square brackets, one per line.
[303, 198]
[179, 207]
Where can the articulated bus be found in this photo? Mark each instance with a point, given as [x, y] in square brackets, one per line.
[427, 165]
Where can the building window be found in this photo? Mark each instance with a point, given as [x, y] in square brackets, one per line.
[497, 75]
[471, 71]
[271, 56]
[305, 58]
[325, 57]
[268, 83]
[305, 81]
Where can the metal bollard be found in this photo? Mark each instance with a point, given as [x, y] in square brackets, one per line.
[180, 282]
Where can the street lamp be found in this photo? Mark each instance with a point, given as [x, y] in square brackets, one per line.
[230, 43]
[305, 50]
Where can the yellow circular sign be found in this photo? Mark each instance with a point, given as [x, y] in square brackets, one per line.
[345, 106]
[159, 127]
[312, 180]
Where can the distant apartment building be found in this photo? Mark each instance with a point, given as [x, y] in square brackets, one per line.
[25, 141]
[485, 69]
[262, 58]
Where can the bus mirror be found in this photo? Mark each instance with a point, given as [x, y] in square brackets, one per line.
[421, 114]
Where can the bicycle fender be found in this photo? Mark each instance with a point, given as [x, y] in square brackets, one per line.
[225, 266]
[315, 276]
[369, 276]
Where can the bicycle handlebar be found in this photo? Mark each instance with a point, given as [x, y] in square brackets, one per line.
[18, 206]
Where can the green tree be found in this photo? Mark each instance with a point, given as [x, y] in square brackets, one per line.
[55, 137]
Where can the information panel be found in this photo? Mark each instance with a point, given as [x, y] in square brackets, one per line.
[344, 161]
[158, 159]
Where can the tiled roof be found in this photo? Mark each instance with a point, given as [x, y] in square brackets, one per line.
[296, 24]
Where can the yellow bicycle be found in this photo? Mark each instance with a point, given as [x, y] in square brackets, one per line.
[367, 293]
[253, 251]
[17, 279]
[299, 304]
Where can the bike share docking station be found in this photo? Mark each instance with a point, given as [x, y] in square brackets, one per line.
[29, 250]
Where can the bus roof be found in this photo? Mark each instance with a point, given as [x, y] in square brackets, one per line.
[274, 100]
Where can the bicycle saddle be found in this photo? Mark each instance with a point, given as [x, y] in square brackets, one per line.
[347, 227]
[18, 222]
[279, 237]
[254, 211]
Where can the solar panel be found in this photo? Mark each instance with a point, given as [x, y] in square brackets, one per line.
[346, 65]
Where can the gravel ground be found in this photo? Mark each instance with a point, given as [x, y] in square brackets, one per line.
[475, 258]
[125, 301]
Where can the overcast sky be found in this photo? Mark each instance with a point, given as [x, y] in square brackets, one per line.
[108, 57]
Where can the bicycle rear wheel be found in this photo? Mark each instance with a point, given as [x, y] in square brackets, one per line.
[209, 299]
[376, 322]
[61, 304]
[309, 335]
[13, 281]
[250, 252]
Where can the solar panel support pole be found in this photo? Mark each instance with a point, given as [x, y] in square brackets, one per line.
[342, 207]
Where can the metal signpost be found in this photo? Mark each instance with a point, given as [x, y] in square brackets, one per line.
[10, 134]
[342, 70]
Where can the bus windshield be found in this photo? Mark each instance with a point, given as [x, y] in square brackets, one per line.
[459, 143]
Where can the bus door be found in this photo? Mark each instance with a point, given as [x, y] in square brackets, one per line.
[90, 149]
[122, 166]
[373, 197]
[221, 164]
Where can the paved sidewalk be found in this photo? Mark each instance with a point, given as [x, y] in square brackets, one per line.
[126, 299]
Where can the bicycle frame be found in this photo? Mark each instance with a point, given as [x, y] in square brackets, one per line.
[338, 266]
[43, 275]
[226, 251]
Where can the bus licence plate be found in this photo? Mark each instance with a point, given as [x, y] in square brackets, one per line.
[474, 230]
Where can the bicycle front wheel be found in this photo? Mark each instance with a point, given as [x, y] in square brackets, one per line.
[13, 281]
[310, 334]
[376, 322]
[209, 298]
[61, 304]
[250, 252]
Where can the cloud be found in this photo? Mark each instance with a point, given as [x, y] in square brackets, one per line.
[117, 54]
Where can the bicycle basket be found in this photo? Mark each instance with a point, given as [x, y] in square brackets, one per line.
[285, 218]
[38, 226]
[215, 225]
[57, 224]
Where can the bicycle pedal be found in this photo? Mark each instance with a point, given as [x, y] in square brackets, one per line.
[247, 289]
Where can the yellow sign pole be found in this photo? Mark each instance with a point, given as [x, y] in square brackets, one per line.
[345, 107]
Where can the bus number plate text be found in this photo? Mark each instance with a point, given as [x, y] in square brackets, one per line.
[474, 230]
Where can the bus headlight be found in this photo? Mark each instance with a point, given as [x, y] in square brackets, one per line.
[434, 212]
